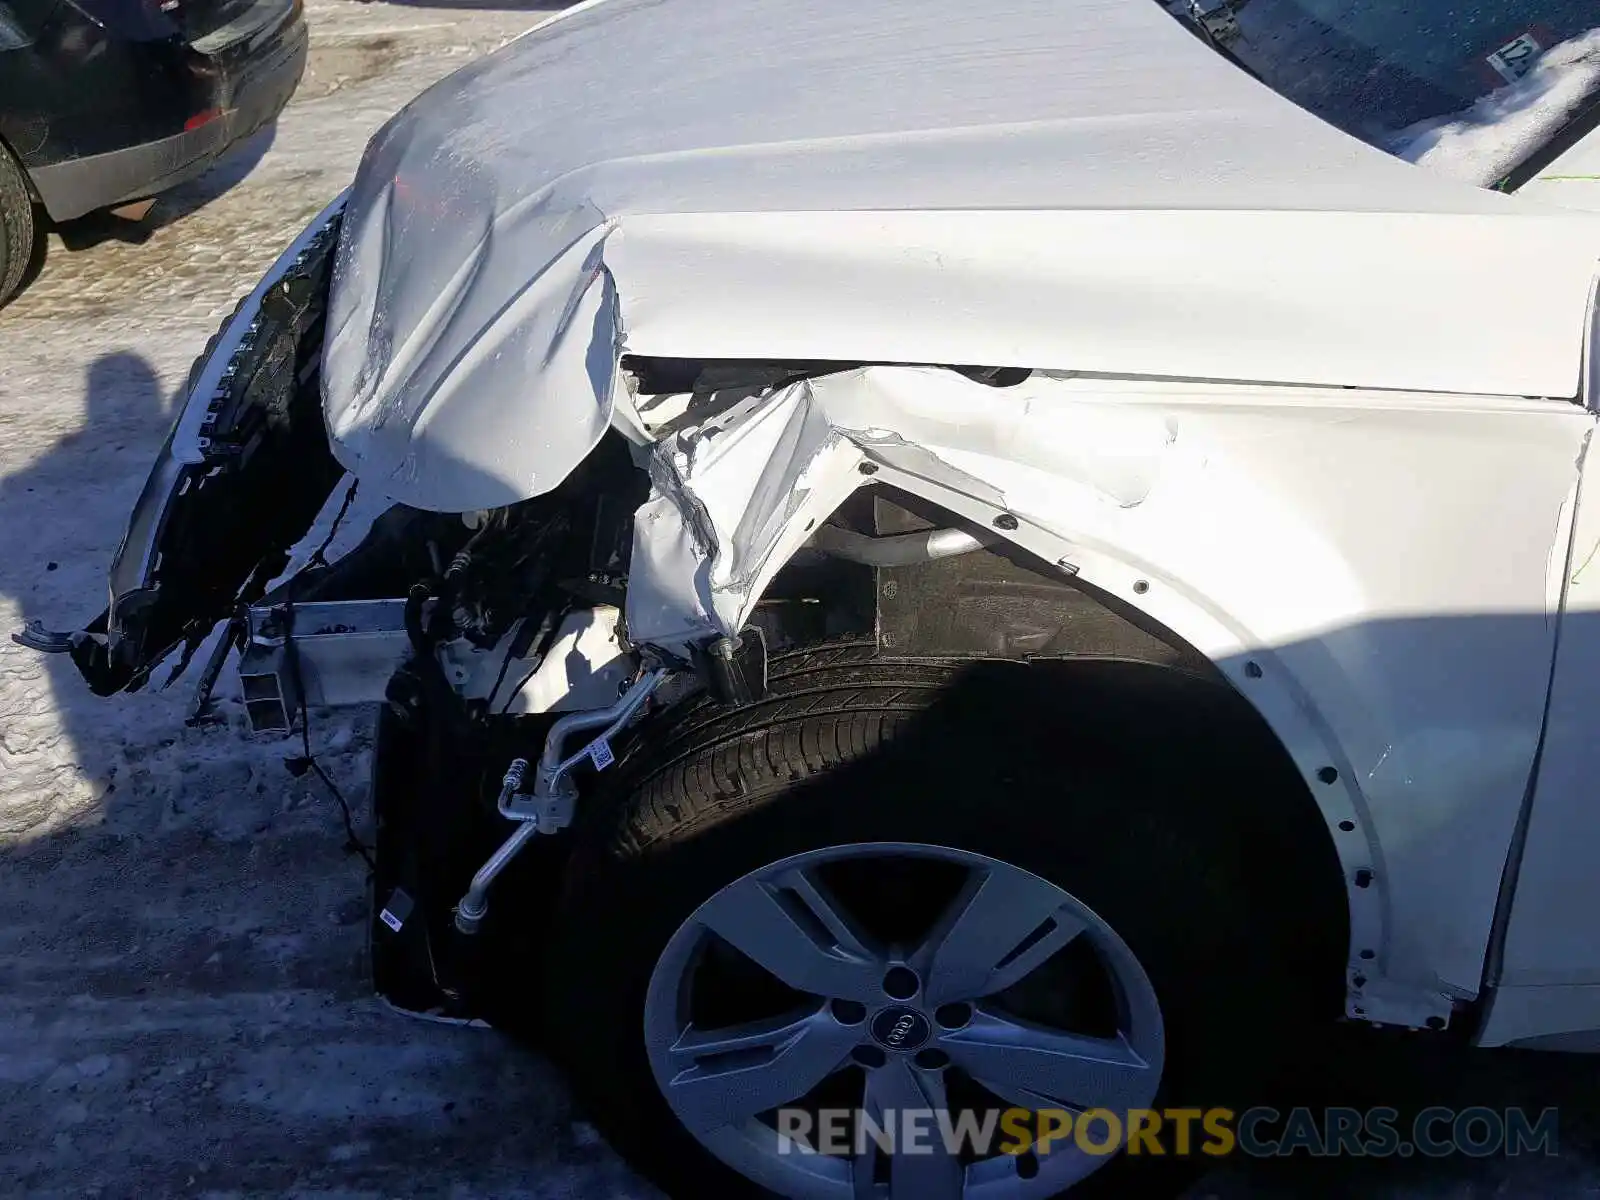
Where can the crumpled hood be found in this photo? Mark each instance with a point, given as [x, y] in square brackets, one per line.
[1063, 184]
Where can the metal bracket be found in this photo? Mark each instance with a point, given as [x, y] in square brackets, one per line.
[1218, 20]
[346, 652]
[35, 636]
[200, 707]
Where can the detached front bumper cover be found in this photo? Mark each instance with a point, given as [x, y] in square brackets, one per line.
[240, 479]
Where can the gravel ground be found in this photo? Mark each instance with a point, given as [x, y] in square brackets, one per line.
[183, 1007]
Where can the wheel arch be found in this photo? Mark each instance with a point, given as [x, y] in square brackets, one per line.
[1172, 635]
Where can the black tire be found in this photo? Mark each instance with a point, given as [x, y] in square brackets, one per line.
[18, 232]
[1084, 786]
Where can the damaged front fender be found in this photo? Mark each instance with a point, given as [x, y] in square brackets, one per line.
[735, 497]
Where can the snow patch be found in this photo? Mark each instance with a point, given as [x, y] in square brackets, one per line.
[1486, 141]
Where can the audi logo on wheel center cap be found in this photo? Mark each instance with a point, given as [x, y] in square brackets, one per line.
[901, 1029]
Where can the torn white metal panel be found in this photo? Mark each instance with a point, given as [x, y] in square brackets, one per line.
[1076, 186]
[729, 494]
[1315, 536]
[519, 405]
[730, 503]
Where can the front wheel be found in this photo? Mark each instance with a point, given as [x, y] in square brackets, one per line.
[875, 935]
[18, 233]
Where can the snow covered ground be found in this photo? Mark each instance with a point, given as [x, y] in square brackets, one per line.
[183, 1008]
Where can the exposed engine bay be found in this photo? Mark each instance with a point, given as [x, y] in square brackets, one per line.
[516, 674]
[509, 664]
[516, 650]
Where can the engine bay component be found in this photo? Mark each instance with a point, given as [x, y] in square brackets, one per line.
[343, 653]
[896, 550]
[549, 808]
[734, 668]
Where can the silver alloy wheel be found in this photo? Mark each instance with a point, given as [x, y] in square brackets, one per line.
[904, 1015]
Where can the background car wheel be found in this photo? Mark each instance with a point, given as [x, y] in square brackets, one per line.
[1002, 864]
[18, 234]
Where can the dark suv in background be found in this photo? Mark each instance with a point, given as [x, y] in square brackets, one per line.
[103, 102]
